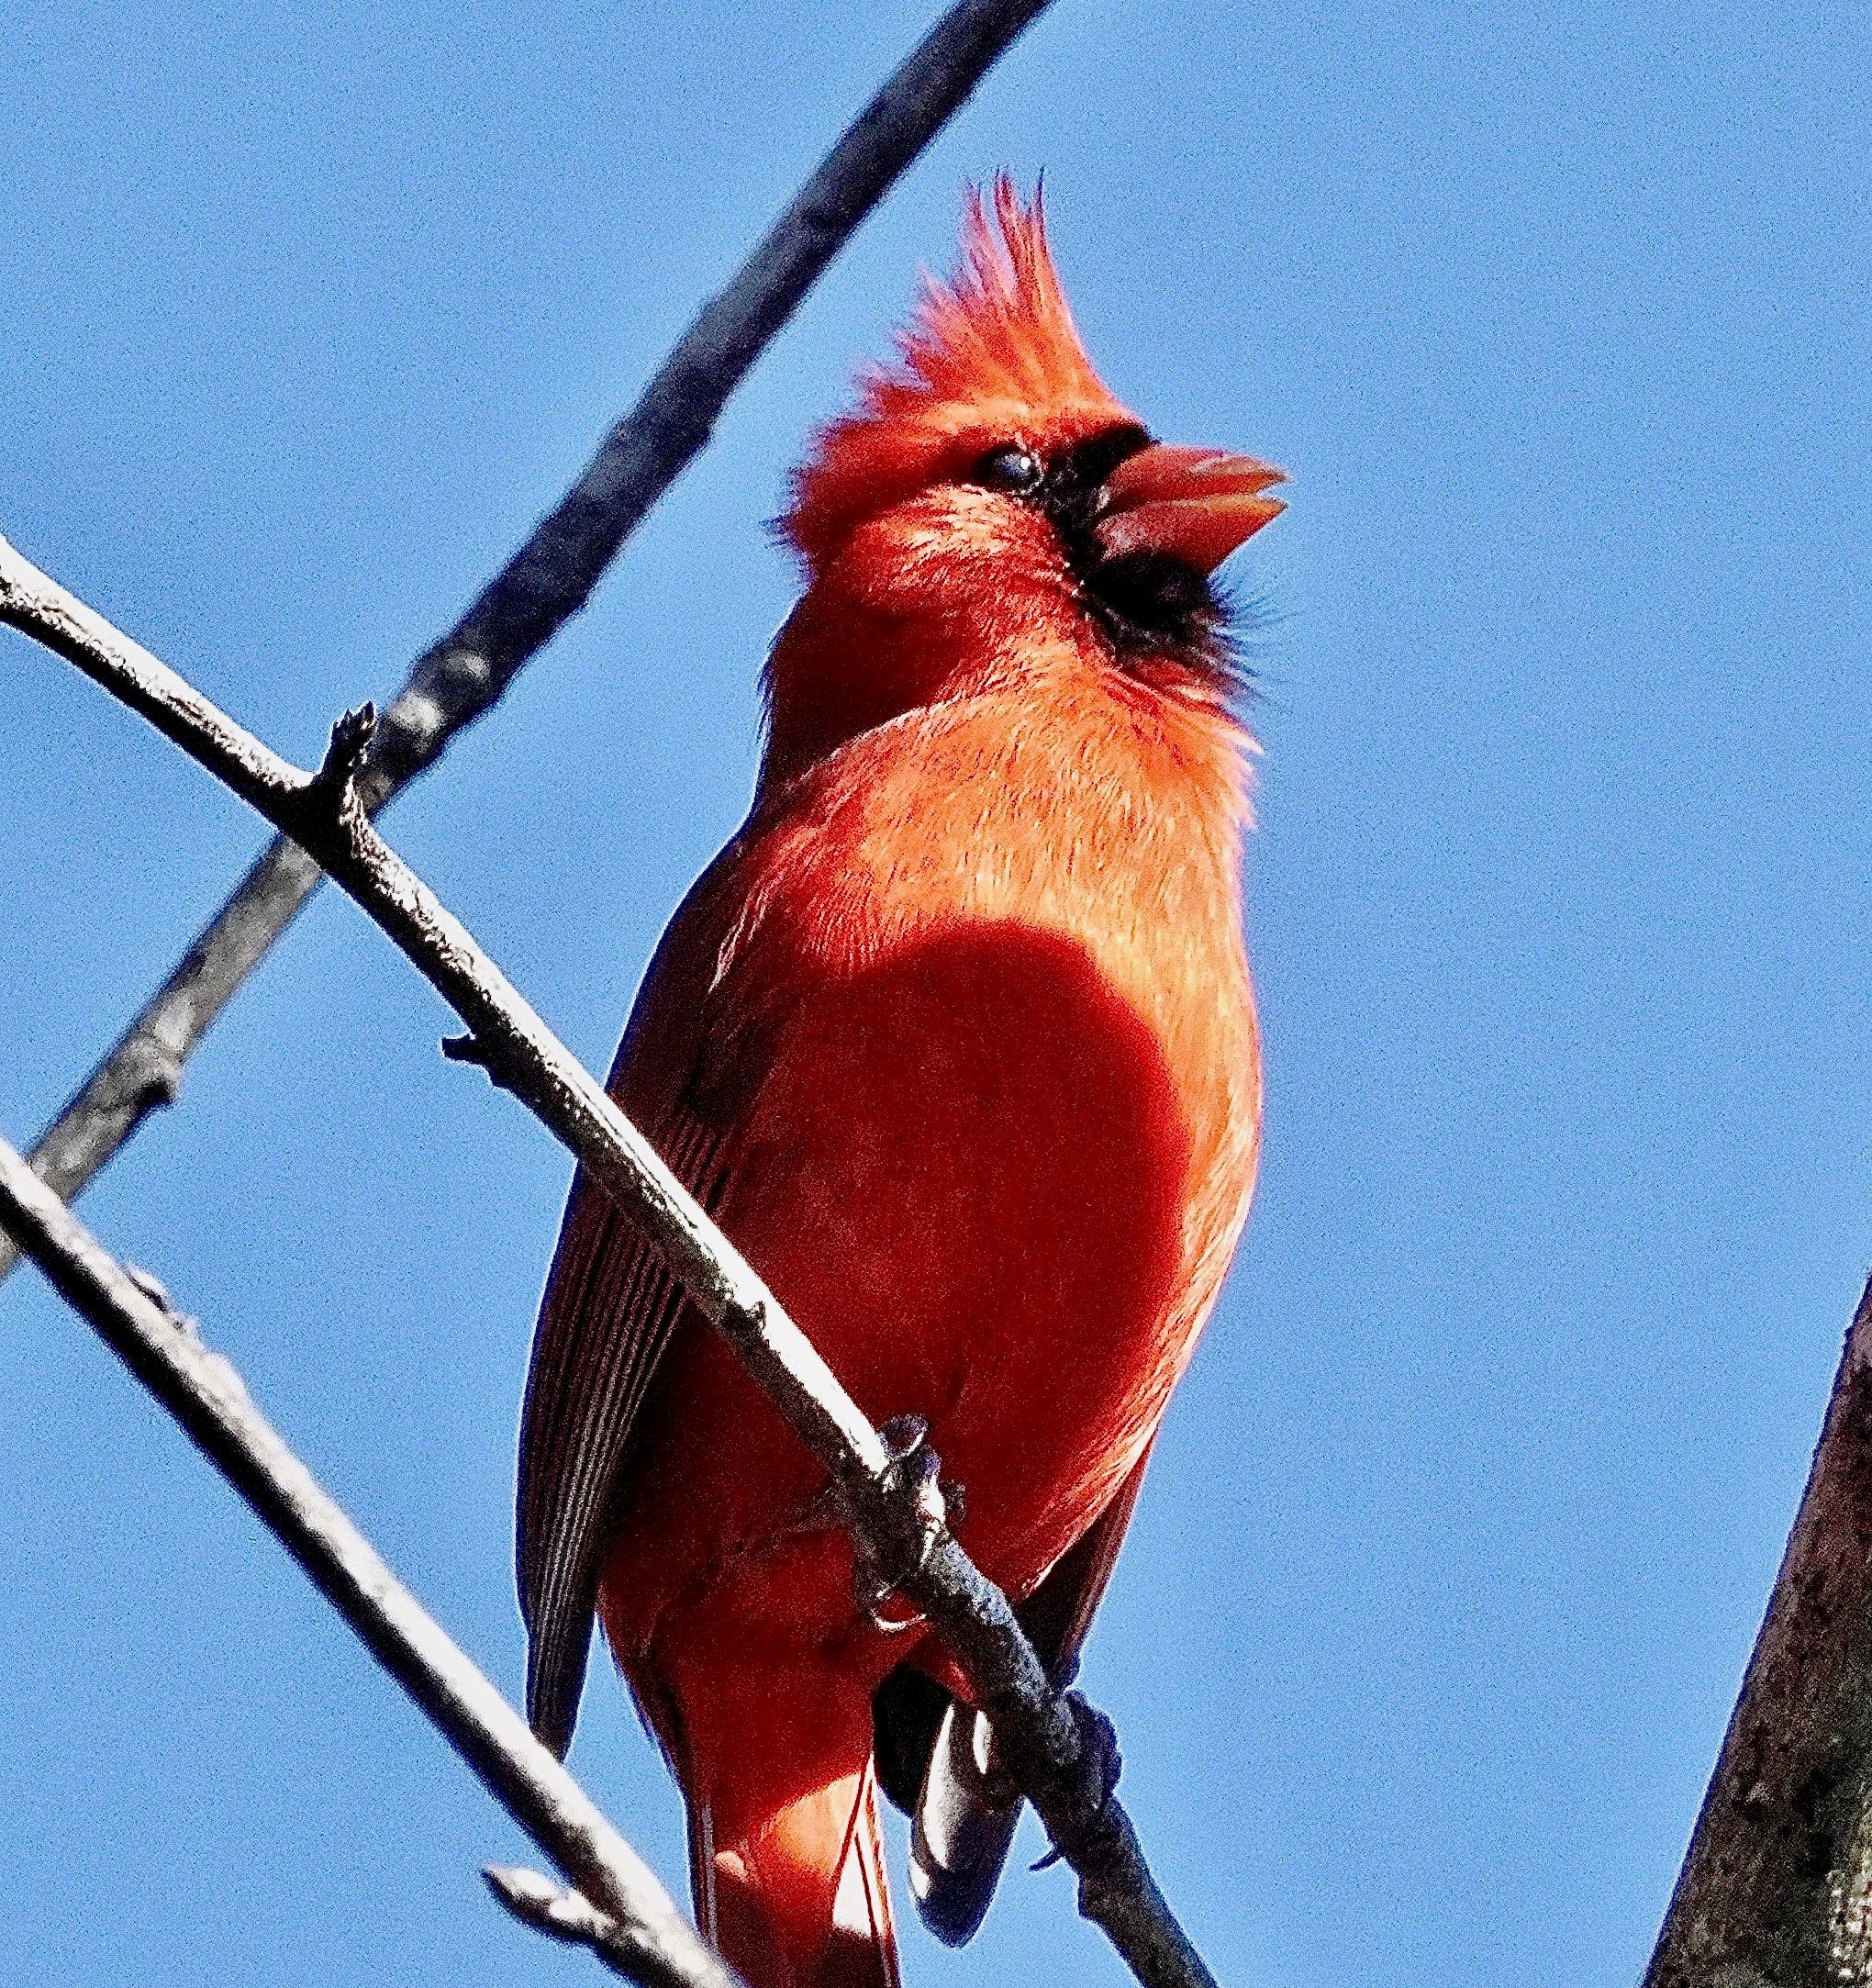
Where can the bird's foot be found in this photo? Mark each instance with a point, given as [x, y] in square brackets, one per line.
[904, 1435]
[1093, 1774]
[1100, 1762]
[907, 1437]
[913, 1471]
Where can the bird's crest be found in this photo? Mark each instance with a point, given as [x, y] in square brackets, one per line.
[991, 356]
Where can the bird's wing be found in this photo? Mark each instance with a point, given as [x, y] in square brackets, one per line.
[611, 1304]
[937, 1758]
[1058, 1615]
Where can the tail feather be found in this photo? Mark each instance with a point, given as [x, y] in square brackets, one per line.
[802, 1899]
[965, 1824]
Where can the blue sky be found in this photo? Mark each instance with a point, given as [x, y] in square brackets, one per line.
[1462, 1524]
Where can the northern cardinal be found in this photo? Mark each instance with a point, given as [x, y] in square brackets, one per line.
[955, 1041]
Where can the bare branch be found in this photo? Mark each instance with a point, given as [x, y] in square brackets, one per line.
[465, 1049]
[635, 1928]
[1775, 1890]
[551, 1909]
[548, 579]
[1052, 1744]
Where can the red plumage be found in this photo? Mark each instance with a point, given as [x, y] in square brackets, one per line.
[956, 1042]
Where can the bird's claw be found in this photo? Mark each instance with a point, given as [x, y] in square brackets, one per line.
[874, 1595]
[1100, 1762]
[913, 1470]
[907, 1439]
[916, 1469]
[1096, 1769]
[903, 1435]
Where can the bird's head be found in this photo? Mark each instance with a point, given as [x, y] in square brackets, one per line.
[989, 482]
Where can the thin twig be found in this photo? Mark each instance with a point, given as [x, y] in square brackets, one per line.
[548, 579]
[633, 1926]
[1051, 1743]
[551, 1909]
[1775, 1890]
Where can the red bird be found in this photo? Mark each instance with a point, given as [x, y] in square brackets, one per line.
[955, 1041]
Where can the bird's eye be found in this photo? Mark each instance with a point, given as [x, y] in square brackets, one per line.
[1013, 469]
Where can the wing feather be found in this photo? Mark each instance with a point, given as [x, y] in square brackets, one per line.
[611, 1307]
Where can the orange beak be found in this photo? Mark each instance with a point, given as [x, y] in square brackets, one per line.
[1196, 504]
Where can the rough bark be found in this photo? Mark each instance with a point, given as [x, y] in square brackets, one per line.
[1776, 1891]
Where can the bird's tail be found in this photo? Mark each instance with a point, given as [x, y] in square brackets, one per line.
[966, 1815]
[800, 1899]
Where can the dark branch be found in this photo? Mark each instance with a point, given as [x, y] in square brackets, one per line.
[466, 1049]
[551, 1909]
[1050, 1744]
[553, 574]
[548, 579]
[346, 751]
[634, 1928]
[1775, 1890]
